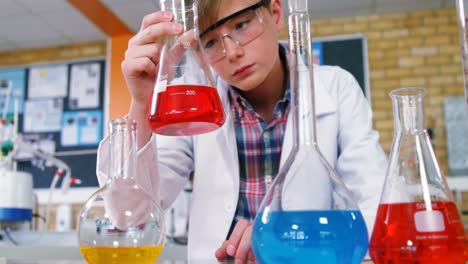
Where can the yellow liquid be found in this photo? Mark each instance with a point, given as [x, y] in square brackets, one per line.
[121, 255]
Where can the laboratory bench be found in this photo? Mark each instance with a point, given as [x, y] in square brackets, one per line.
[172, 254]
[161, 261]
[61, 248]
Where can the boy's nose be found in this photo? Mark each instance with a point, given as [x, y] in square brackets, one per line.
[232, 47]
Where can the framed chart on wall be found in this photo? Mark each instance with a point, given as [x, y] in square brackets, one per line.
[347, 51]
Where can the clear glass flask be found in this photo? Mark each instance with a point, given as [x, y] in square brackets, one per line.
[462, 14]
[121, 223]
[185, 100]
[307, 213]
[417, 220]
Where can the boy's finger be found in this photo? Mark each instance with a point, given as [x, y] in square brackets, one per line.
[156, 17]
[244, 246]
[221, 252]
[153, 33]
[251, 257]
[236, 236]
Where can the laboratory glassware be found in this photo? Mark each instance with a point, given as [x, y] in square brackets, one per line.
[417, 220]
[16, 187]
[307, 212]
[462, 14]
[121, 223]
[185, 100]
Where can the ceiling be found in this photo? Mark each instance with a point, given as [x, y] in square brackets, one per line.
[42, 23]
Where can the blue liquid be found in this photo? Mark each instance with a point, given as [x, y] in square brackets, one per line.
[325, 237]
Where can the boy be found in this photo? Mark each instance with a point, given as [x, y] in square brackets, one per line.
[233, 164]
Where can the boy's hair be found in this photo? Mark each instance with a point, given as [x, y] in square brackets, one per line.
[208, 10]
[207, 13]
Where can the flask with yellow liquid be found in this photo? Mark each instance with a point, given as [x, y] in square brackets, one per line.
[121, 223]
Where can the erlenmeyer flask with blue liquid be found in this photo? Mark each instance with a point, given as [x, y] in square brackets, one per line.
[307, 215]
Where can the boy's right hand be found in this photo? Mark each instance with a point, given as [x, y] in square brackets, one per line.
[141, 61]
[238, 245]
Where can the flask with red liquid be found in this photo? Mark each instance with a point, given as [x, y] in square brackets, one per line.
[417, 219]
[185, 101]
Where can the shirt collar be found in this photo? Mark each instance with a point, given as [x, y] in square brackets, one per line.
[242, 105]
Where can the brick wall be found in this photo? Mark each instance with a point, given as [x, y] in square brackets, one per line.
[406, 49]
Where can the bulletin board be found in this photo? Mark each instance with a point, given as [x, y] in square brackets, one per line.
[347, 51]
[456, 129]
[61, 112]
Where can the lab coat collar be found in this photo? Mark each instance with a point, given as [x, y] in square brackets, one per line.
[324, 103]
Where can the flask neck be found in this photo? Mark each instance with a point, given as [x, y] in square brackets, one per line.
[302, 81]
[408, 110]
[122, 149]
[185, 12]
[297, 6]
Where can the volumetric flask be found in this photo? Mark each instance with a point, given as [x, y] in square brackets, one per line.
[307, 214]
[185, 101]
[417, 220]
[462, 13]
[121, 223]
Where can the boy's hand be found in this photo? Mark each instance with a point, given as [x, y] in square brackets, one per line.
[238, 245]
[144, 50]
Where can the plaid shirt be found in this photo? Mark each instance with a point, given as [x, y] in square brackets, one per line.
[259, 147]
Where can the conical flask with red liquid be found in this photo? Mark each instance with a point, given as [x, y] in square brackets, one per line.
[417, 219]
[185, 101]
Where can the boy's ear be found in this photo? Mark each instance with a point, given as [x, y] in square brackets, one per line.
[276, 8]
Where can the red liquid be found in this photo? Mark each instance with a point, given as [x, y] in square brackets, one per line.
[185, 110]
[407, 233]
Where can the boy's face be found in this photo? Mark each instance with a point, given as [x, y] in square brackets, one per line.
[243, 49]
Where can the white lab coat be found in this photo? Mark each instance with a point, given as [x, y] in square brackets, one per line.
[345, 136]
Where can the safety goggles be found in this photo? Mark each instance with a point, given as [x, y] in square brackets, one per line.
[241, 27]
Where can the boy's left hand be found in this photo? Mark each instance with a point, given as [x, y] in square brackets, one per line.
[238, 245]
